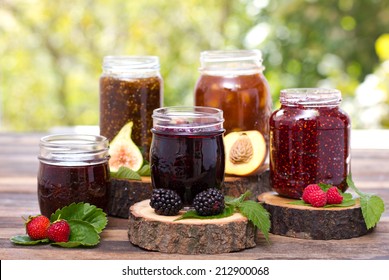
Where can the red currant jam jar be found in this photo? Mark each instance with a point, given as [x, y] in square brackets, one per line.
[187, 151]
[73, 168]
[309, 141]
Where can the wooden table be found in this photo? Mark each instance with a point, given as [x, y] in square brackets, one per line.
[18, 197]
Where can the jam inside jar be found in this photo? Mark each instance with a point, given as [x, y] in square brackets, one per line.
[73, 168]
[187, 151]
[131, 87]
[309, 141]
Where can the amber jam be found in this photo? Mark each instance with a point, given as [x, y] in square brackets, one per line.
[233, 82]
[73, 168]
[131, 87]
[309, 141]
[187, 151]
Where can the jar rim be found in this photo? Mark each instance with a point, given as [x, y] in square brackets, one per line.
[73, 149]
[188, 119]
[223, 61]
[128, 62]
[312, 97]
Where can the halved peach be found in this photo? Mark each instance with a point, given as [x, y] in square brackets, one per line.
[245, 152]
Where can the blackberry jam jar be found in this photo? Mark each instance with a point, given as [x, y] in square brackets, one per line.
[187, 151]
[73, 168]
[309, 141]
[131, 87]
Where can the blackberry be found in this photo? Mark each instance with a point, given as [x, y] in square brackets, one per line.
[165, 202]
[209, 202]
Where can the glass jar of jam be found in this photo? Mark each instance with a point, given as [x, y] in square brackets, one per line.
[187, 151]
[233, 82]
[73, 168]
[131, 87]
[309, 141]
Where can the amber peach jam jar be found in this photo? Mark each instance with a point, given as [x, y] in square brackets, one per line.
[73, 168]
[187, 152]
[309, 141]
[131, 87]
[233, 81]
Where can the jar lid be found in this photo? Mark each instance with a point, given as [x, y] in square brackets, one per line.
[73, 149]
[231, 60]
[188, 120]
[310, 97]
[125, 64]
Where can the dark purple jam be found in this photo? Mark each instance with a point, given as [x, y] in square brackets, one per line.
[308, 145]
[187, 163]
[59, 186]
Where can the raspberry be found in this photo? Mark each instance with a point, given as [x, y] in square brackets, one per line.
[308, 191]
[333, 196]
[165, 202]
[318, 198]
[209, 202]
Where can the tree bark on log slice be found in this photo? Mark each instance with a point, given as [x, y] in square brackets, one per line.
[124, 193]
[308, 222]
[191, 236]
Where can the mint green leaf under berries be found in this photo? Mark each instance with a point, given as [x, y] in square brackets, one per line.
[26, 240]
[81, 234]
[372, 205]
[258, 215]
[125, 173]
[83, 212]
[192, 214]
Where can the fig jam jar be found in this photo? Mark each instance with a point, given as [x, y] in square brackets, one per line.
[309, 141]
[73, 168]
[131, 87]
[187, 151]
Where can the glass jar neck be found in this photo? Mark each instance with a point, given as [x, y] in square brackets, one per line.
[73, 149]
[195, 120]
[233, 62]
[131, 66]
[310, 97]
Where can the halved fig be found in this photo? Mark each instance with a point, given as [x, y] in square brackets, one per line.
[124, 152]
[245, 152]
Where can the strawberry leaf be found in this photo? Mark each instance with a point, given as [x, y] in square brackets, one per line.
[83, 212]
[26, 240]
[81, 234]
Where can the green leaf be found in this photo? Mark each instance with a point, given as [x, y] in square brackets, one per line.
[345, 203]
[145, 170]
[26, 240]
[192, 214]
[83, 212]
[325, 187]
[126, 173]
[258, 215]
[372, 205]
[81, 234]
[238, 200]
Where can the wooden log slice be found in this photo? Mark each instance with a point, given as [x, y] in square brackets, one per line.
[308, 222]
[124, 193]
[192, 236]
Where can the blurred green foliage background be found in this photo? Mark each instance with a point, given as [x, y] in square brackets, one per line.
[51, 52]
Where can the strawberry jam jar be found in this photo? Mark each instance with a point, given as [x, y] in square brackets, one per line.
[73, 168]
[309, 141]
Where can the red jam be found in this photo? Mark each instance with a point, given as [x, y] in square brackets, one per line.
[309, 141]
[73, 168]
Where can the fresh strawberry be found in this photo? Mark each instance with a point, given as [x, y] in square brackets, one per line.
[59, 231]
[318, 198]
[36, 227]
[333, 196]
[308, 191]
